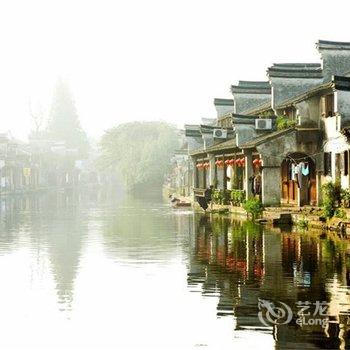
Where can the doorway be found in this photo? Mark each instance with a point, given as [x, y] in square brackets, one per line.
[298, 180]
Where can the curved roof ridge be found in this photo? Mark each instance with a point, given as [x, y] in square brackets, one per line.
[333, 45]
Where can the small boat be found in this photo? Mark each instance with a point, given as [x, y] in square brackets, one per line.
[179, 203]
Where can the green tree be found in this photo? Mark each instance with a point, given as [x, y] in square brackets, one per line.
[139, 151]
[64, 124]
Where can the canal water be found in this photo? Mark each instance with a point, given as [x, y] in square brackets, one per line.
[101, 271]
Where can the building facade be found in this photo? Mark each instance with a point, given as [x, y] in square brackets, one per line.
[291, 132]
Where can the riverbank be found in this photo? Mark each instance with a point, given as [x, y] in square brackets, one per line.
[306, 217]
[303, 218]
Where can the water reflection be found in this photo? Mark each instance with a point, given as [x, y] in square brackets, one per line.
[99, 270]
[52, 229]
[241, 263]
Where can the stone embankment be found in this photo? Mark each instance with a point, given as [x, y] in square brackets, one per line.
[304, 218]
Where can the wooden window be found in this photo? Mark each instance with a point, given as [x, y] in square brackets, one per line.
[327, 105]
[327, 161]
[346, 163]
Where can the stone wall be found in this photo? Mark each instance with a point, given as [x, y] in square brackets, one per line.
[284, 88]
[334, 62]
[245, 102]
[308, 112]
[342, 106]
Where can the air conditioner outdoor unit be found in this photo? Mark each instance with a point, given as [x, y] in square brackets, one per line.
[220, 134]
[263, 124]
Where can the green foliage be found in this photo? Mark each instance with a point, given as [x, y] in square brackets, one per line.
[63, 124]
[331, 198]
[237, 197]
[340, 213]
[139, 151]
[221, 196]
[253, 207]
[284, 123]
[345, 196]
[216, 196]
[303, 223]
[266, 114]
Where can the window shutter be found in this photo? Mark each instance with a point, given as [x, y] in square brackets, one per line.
[327, 162]
[346, 163]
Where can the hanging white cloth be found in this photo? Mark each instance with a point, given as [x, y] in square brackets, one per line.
[305, 169]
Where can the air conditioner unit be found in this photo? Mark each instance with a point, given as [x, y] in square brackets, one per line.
[263, 124]
[220, 134]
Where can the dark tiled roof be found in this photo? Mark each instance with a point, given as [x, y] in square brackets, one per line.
[198, 152]
[252, 87]
[265, 138]
[210, 129]
[254, 84]
[192, 130]
[223, 146]
[332, 45]
[223, 102]
[244, 116]
[341, 83]
[295, 70]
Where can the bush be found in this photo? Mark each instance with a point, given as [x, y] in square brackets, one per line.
[221, 196]
[237, 197]
[303, 223]
[253, 207]
[216, 197]
[345, 196]
[284, 123]
[340, 213]
[331, 198]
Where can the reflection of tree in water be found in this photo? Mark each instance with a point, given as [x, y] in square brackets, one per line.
[142, 231]
[52, 224]
[242, 262]
[65, 228]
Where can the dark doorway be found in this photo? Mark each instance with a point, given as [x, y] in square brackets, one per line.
[292, 182]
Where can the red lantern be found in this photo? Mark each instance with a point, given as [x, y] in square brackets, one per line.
[242, 161]
[237, 161]
[256, 161]
[227, 161]
[260, 162]
[232, 161]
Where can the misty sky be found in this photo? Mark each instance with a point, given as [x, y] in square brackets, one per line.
[150, 60]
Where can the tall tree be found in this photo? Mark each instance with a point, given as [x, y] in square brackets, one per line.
[64, 124]
[38, 119]
[139, 151]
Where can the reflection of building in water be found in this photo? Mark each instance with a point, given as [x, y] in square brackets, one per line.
[241, 263]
